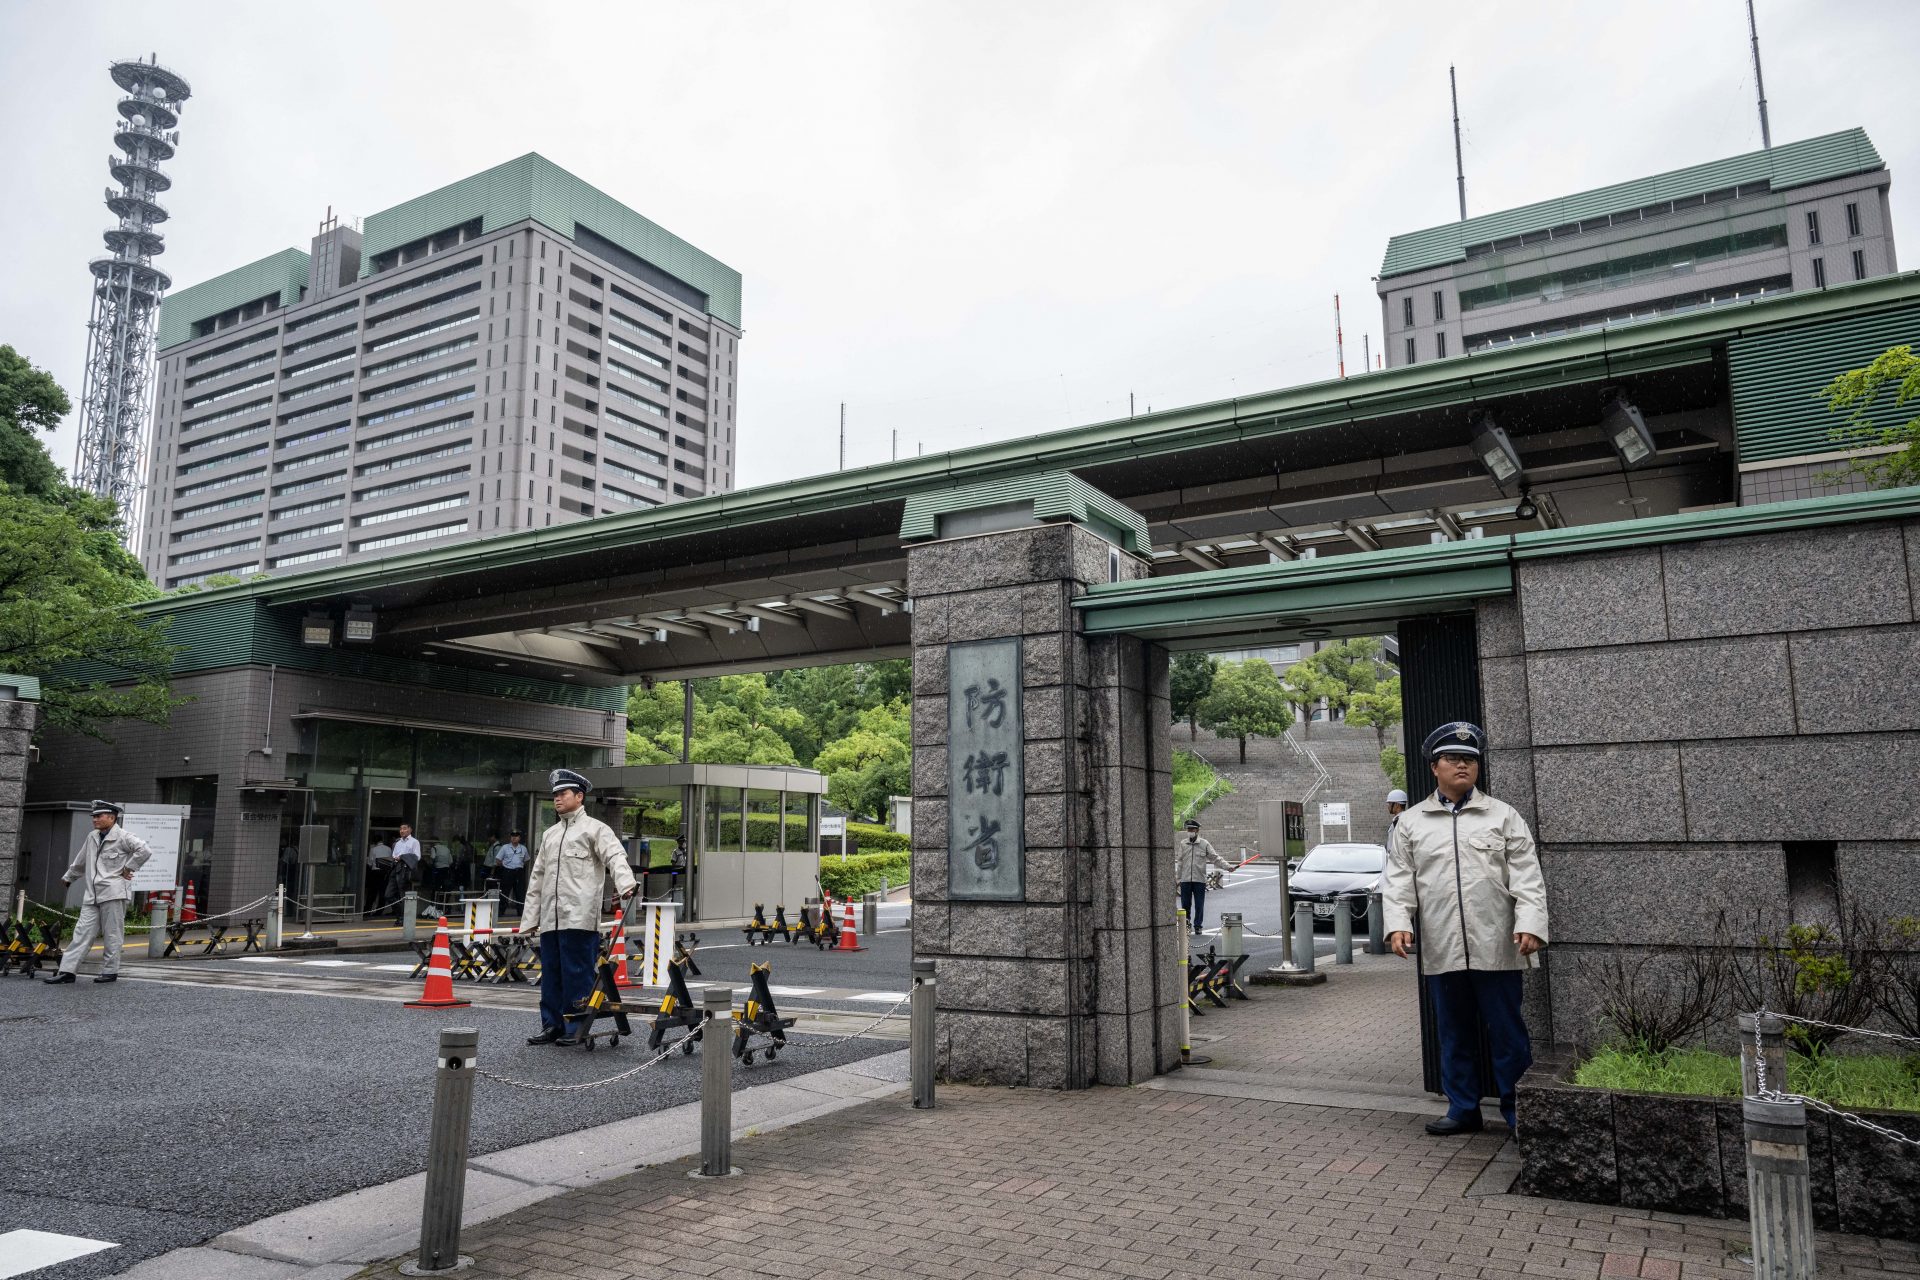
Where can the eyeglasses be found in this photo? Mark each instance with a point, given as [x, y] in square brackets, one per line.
[1454, 757]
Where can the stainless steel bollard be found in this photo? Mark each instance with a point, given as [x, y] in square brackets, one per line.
[276, 918]
[1232, 935]
[1342, 932]
[1779, 1189]
[886, 889]
[447, 1154]
[870, 914]
[410, 915]
[716, 1084]
[1773, 1045]
[1180, 985]
[1376, 925]
[921, 1053]
[156, 927]
[1303, 936]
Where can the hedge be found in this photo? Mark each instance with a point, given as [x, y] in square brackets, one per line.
[862, 872]
[869, 837]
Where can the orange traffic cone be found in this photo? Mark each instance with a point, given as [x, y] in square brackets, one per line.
[849, 940]
[439, 990]
[190, 912]
[619, 955]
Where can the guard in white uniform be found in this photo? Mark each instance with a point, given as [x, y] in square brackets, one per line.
[105, 862]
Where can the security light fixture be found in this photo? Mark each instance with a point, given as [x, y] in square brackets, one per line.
[753, 625]
[1528, 508]
[1627, 433]
[317, 629]
[1495, 452]
[359, 626]
[660, 635]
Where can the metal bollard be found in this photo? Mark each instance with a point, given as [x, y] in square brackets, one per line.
[1180, 985]
[886, 889]
[716, 1084]
[1342, 932]
[921, 1053]
[276, 918]
[409, 916]
[1779, 1189]
[870, 914]
[1376, 925]
[1773, 1045]
[156, 928]
[1232, 937]
[447, 1154]
[1303, 936]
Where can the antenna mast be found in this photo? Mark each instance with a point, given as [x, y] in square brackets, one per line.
[843, 435]
[1753, 28]
[1459, 166]
[1339, 343]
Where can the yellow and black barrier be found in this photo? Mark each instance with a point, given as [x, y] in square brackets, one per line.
[759, 1018]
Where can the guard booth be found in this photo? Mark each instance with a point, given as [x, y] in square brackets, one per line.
[714, 839]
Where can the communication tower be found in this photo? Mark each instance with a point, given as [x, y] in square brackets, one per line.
[115, 400]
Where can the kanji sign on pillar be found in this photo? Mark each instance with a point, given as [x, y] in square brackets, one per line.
[986, 856]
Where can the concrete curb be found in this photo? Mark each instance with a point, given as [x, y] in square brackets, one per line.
[335, 1238]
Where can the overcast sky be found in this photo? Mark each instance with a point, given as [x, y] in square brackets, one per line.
[968, 220]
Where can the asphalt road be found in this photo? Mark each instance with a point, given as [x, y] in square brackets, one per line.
[159, 1114]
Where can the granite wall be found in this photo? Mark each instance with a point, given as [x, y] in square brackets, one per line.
[1074, 983]
[1677, 723]
[18, 720]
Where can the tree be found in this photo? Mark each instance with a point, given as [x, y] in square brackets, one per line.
[827, 699]
[66, 583]
[1247, 700]
[745, 724]
[871, 763]
[654, 722]
[1189, 681]
[1339, 674]
[1378, 707]
[1858, 390]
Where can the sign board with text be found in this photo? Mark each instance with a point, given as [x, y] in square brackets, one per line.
[986, 800]
[1336, 813]
[162, 832]
[832, 828]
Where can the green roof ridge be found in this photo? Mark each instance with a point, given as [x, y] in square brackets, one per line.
[1792, 164]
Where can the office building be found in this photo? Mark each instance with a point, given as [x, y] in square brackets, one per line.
[1800, 216]
[513, 351]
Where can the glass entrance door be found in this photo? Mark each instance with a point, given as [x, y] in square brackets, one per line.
[387, 808]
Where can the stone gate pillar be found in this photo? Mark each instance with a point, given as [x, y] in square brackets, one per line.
[1042, 781]
[19, 717]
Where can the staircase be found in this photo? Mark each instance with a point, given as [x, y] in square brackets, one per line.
[1274, 771]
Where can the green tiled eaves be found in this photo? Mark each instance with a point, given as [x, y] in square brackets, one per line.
[1793, 164]
[1055, 495]
[1776, 378]
[284, 274]
[533, 187]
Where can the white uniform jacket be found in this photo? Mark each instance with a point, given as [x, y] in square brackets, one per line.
[101, 859]
[576, 855]
[1191, 857]
[1474, 877]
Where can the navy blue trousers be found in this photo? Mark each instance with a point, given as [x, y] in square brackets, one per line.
[566, 972]
[1463, 1001]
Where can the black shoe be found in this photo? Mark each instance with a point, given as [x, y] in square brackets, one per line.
[548, 1036]
[1453, 1126]
[58, 978]
[567, 1041]
[108, 977]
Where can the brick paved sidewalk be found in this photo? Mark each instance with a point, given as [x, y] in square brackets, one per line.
[1143, 1182]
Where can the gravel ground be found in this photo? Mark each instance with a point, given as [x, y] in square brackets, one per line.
[272, 1101]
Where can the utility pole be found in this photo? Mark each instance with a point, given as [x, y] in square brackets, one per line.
[1366, 352]
[1459, 166]
[1753, 28]
[1129, 404]
[1339, 343]
[843, 435]
[896, 444]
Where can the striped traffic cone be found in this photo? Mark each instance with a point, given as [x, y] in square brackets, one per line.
[619, 957]
[439, 990]
[191, 911]
[849, 940]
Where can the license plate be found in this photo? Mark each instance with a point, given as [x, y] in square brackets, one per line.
[1323, 909]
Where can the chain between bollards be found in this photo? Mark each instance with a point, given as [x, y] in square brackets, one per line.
[920, 1024]
[446, 1187]
[716, 1084]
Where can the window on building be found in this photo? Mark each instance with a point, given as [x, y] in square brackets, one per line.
[1853, 219]
[1406, 311]
[1410, 356]
[1859, 264]
[1819, 273]
[1439, 305]
[1813, 226]
[1440, 346]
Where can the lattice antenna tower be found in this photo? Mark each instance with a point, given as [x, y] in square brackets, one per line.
[116, 400]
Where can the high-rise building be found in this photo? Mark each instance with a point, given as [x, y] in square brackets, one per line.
[513, 351]
[1800, 216]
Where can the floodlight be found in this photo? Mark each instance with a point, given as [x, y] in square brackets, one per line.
[1495, 452]
[359, 626]
[317, 629]
[1627, 432]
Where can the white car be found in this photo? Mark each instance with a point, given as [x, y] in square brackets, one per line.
[1332, 872]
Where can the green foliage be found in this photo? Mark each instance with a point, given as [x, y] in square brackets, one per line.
[1190, 679]
[872, 762]
[1353, 680]
[1378, 707]
[1876, 1082]
[1393, 763]
[65, 580]
[863, 872]
[736, 720]
[871, 837]
[1247, 701]
[1858, 390]
[1192, 777]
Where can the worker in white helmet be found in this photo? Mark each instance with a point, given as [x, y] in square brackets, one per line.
[1396, 805]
